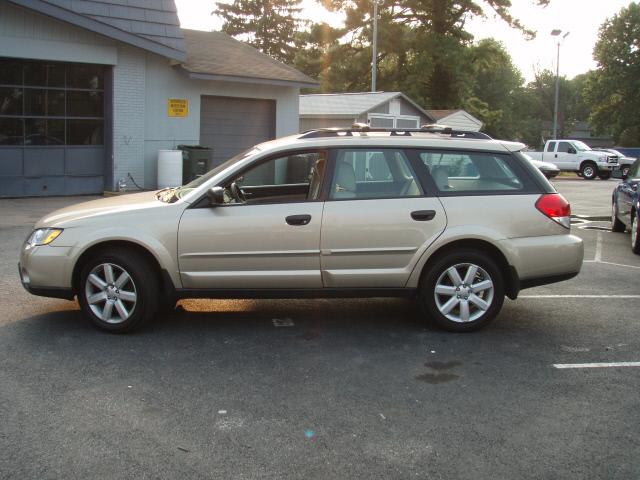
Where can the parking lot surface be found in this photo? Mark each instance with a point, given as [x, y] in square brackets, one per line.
[328, 388]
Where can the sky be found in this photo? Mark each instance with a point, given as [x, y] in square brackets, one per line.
[581, 18]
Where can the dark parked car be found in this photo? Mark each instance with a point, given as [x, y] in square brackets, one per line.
[626, 206]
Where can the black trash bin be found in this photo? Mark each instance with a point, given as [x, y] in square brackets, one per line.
[196, 161]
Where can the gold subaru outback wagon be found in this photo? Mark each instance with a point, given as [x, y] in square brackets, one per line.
[454, 219]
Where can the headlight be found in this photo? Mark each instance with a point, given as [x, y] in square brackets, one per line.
[43, 236]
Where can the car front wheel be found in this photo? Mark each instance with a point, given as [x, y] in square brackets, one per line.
[462, 291]
[635, 234]
[616, 224]
[118, 291]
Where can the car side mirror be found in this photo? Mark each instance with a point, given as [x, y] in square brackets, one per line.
[571, 150]
[215, 196]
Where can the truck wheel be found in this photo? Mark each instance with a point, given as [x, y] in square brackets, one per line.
[589, 170]
[604, 175]
[462, 291]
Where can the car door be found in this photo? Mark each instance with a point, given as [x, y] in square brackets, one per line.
[565, 156]
[270, 240]
[378, 219]
[628, 193]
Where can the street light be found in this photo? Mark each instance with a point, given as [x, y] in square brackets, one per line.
[374, 45]
[556, 33]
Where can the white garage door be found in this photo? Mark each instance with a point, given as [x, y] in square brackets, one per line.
[230, 125]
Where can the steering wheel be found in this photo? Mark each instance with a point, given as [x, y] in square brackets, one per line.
[237, 193]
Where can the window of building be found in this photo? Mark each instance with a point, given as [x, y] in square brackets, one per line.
[51, 103]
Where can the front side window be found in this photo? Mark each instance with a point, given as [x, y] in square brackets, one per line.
[283, 179]
[471, 172]
[373, 173]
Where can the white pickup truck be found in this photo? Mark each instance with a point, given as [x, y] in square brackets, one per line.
[577, 156]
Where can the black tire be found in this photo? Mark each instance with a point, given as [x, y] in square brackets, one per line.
[635, 233]
[144, 284]
[589, 170]
[604, 175]
[427, 290]
[616, 225]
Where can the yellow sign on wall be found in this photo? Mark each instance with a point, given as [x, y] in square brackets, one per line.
[178, 107]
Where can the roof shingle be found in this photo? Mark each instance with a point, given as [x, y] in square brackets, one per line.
[217, 54]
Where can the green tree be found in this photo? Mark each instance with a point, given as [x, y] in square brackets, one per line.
[494, 83]
[422, 44]
[614, 89]
[271, 26]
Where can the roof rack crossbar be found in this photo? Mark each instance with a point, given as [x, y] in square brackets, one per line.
[405, 132]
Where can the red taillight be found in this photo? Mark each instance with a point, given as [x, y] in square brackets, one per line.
[556, 207]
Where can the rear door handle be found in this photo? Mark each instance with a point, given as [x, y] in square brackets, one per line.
[298, 219]
[423, 215]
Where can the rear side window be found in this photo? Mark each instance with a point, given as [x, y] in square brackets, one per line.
[373, 173]
[551, 146]
[454, 172]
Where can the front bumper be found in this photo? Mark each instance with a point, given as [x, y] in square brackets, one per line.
[53, 292]
[46, 271]
[607, 167]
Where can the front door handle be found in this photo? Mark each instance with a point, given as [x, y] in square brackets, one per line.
[423, 215]
[298, 219]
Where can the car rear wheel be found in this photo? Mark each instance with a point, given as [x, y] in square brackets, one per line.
[635, 234]
[616, 224]
[118, 291]
[462, 291]
[589, 170]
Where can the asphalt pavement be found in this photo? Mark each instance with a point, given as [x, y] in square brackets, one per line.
[328, 388]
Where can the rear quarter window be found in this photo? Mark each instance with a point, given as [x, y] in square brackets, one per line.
[461, 173]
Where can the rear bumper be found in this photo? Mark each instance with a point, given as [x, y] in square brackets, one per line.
[544, 259]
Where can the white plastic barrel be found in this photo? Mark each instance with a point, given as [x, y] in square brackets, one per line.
[169, 168]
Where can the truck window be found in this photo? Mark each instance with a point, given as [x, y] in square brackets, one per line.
[564, 147]
[551, 146]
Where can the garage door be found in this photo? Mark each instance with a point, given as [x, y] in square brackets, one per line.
[51, 128]
[230, 125]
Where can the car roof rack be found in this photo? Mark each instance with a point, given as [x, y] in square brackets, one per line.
[364, 128]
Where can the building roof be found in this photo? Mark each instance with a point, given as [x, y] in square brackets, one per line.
[217, 56]
[439, 114]
[149, 24]
[349, 104]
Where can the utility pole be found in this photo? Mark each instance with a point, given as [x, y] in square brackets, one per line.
[374, 46]
[556, 33]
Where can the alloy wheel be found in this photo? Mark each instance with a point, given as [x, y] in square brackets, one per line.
[111, 293]
[464, 292]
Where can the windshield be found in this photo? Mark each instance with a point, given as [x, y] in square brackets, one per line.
[170, 195]
[581, 146]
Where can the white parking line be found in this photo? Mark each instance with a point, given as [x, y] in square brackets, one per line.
[578, 296]
[596, 365]
[598, 257]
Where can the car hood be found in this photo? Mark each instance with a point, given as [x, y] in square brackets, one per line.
[545, 165]
[105, 206]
